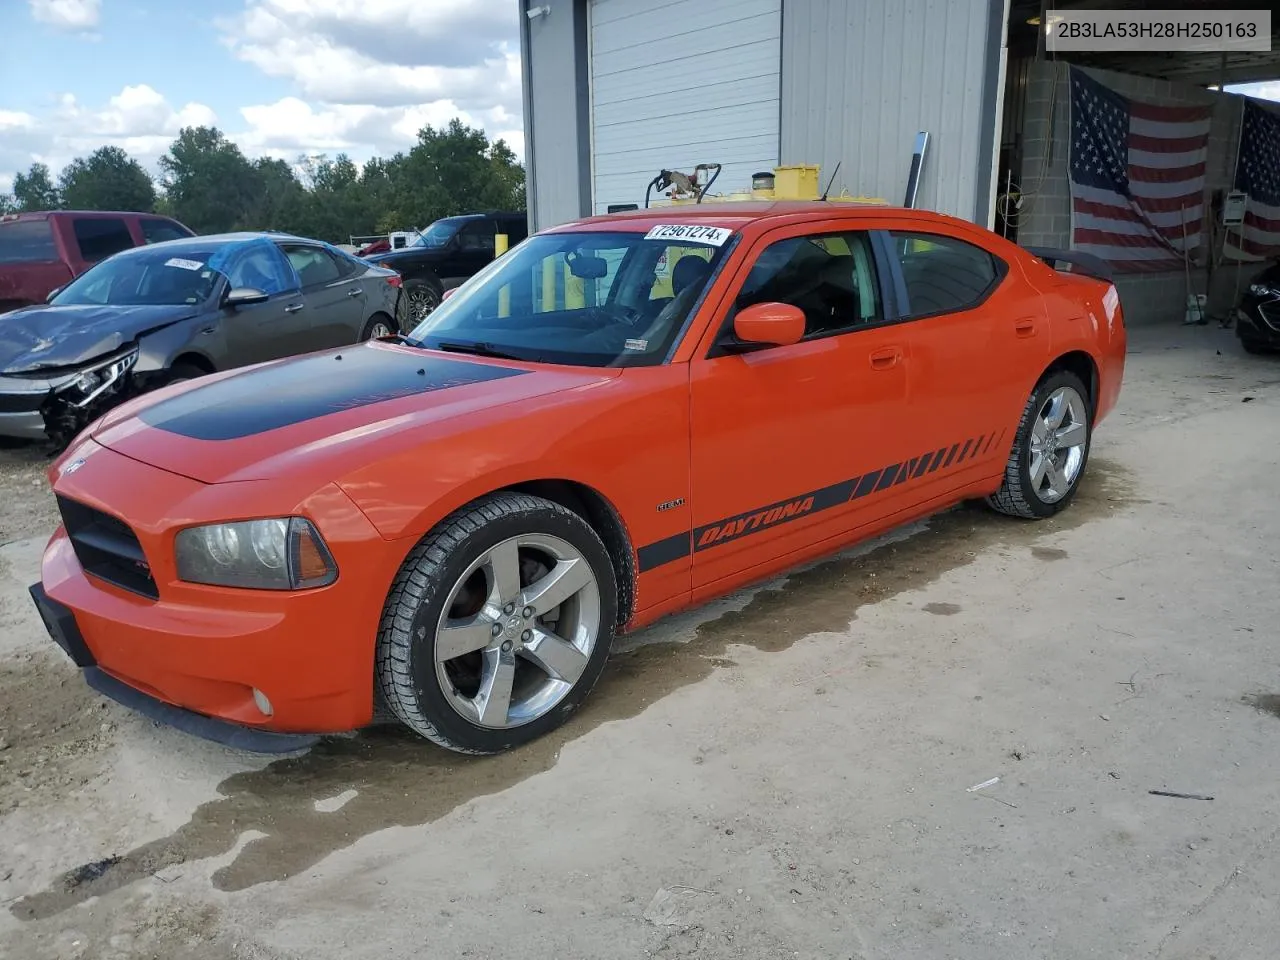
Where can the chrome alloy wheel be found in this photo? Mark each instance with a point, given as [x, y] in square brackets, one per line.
[379, 329]
[422, 300]
[517, 631]
[1058, 439]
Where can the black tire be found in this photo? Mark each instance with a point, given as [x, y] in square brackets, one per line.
[405, 660]
[372, 323]
[1018, 496]
[183, 371]
[1255, 347]
[421, 297]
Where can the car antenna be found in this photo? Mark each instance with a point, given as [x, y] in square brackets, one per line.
[832, 180]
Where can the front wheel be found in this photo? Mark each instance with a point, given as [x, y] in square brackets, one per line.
[379, 325]
[498, 624]
[1049, 452]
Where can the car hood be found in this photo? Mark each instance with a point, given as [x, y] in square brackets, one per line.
[55, 336]
[392, 257]
[326, 414]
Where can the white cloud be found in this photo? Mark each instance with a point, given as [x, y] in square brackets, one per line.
[74, 16]
[138, 119]
[292, 126]
[366, 76]
[434, 56]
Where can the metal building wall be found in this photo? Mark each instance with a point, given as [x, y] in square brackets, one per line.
[861, 77]
[553, 50]
[681, 82]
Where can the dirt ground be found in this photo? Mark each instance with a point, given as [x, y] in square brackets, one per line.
[788, 772]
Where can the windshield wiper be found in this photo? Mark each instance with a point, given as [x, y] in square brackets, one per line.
[476, 348]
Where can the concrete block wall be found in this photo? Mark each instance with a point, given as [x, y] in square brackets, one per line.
[1045, 218]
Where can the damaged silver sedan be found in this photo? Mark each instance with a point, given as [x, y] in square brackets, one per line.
[172, 311]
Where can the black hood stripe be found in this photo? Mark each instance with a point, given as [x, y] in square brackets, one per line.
[310, 387]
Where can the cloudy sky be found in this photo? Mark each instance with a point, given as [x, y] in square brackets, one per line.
[280, 77]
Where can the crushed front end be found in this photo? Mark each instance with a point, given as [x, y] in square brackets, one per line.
[56, 403]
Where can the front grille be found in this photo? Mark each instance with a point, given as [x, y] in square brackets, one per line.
[1270, 313]
[107, 548]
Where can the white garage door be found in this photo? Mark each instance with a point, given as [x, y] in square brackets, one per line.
[675, 83]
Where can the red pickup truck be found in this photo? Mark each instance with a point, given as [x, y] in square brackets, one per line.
[40, 252]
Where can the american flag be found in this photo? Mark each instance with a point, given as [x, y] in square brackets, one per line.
[1258, 175]
[1137, 177]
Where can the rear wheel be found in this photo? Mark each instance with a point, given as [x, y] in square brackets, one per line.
[1050, 450]
[498, 625]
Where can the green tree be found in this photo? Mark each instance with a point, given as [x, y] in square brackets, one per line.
[209, 184]
[108, 179]
[35, 190]
[457, 170]
[7, 204]
[282, 200]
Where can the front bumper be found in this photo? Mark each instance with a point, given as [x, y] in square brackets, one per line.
[188, 651]
[60, 621]
[1251, 325]
[20, 403]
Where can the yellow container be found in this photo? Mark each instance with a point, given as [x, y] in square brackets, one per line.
[796, 182]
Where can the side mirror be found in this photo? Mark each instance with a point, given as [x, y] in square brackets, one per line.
[244, 296]
[774, 324]
[53, 293]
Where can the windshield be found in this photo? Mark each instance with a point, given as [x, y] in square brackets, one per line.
[147, 277]
[593, 299]
[438, 234]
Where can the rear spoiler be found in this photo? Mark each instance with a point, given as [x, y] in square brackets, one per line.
[1079, 262]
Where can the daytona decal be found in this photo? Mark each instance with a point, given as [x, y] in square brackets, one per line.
[690, 233]
[713, 535]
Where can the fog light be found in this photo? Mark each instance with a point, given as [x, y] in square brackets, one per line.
[261, 700]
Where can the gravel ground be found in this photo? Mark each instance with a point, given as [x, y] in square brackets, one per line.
[784, 773]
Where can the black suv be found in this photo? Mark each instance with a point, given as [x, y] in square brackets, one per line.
[448, 252]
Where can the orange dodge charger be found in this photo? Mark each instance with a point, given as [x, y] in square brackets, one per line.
[619, 418]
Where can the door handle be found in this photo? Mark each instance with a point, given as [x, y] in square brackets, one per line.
[1025, 326]
[886, 359]
[354, 292]
[293, 308]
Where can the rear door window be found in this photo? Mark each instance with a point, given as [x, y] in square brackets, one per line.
[27, 241]
[943, 274]
[100, 237]
[314, 265]
[158, 231]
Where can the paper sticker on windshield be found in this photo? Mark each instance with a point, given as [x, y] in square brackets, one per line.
[635, 345]
[690, 233]
[183, 264]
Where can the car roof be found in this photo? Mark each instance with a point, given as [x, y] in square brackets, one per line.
[207, 241]
[737, 214]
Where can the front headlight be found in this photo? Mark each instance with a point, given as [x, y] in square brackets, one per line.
[278, 553]
[1263, 290]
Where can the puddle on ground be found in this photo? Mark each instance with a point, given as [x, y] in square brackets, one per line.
[942, 609]
[400, 780]
[1048, 553]
[1264, 702]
